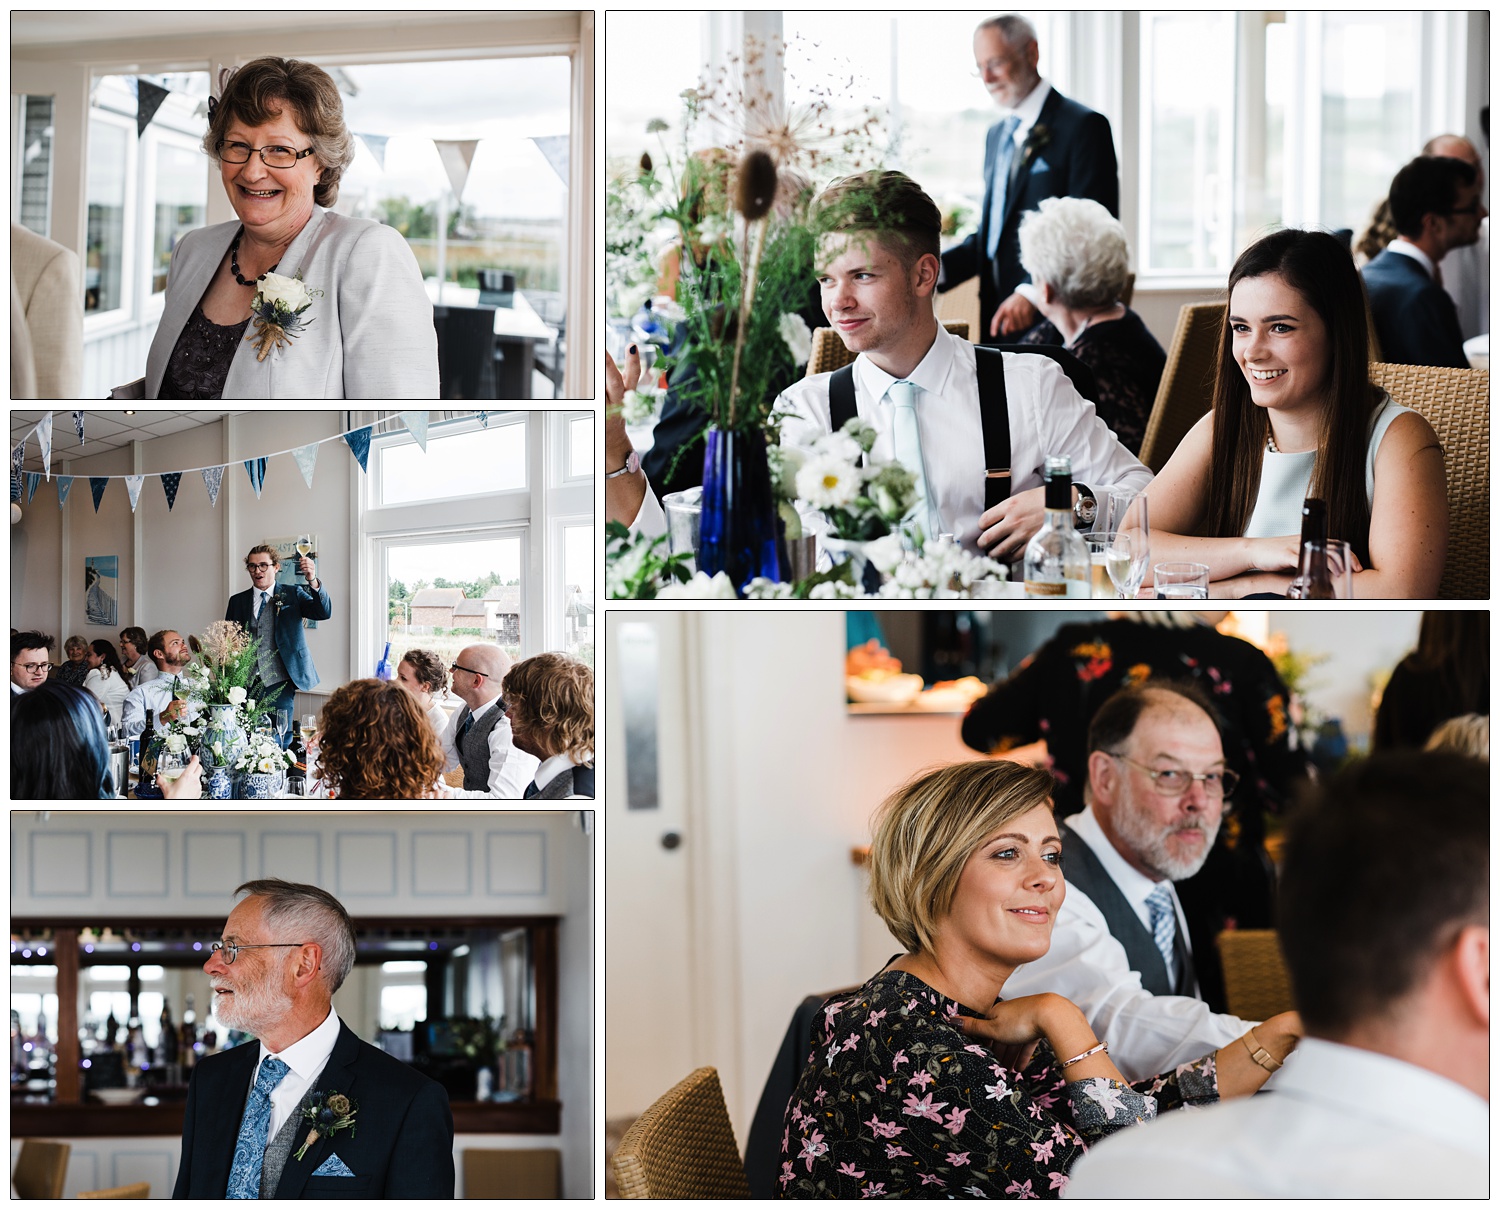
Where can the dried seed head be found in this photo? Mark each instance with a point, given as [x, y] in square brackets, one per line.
[757, 185]
[645, 161]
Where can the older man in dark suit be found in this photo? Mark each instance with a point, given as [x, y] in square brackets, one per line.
[1046, 146]
[309, 1111]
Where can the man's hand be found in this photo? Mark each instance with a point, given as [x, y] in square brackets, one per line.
[1015, 314]
[173, 712]
[1005, 529]
[307, 568]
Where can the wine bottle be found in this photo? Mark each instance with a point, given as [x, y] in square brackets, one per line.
[1313, 581]
[146, 785]
[1057, 559]
[297, 774]
[169, 1039]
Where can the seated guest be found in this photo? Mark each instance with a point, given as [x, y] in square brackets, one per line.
[477, 738]
[29, 661]
[135, 651]
[965, 872]
[1468, 735]
[375, 742]
[76, 668]
[169, 653]
[1121, 947]
[421, 674]
[549, 700]
[1079, 262]
[1447, 675]
[1435, 206]
[1389, 1094]
[1295, 415]
[106, 678]
[878, 269]
[59, 748]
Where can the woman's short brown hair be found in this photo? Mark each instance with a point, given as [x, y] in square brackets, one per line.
[926, 831]
[553, 695]
[251, 97]
[430, 671]
[375, 742]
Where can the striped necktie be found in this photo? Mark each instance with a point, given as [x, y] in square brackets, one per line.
[250, 1147]
[1163, 926]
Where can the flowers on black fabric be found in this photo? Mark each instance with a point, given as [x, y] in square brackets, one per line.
[328, 1112]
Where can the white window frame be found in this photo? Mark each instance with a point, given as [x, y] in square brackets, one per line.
[569, 501]
[152, 304]
[123, 316]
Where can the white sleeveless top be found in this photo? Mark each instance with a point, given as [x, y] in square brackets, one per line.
[1285, 480]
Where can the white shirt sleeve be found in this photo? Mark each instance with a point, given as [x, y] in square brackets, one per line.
[134, 721]
[650, 520]
[1147, 1034]
[1067, 424]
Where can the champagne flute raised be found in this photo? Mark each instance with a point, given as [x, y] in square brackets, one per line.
[304, 546]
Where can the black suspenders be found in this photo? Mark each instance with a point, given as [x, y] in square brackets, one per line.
[994, 415]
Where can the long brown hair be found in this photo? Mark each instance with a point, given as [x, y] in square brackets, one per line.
[1320, 269]
[375, 742]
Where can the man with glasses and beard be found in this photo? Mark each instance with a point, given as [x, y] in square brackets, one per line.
[310, 1111]
[1156, 793]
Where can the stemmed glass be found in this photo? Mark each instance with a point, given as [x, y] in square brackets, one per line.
[283, 725]
[1130, 518]
[304, 545]
[1125, 559]
[169, 765]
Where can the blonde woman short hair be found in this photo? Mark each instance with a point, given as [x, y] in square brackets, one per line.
[1468, 734]
[1079, 248]
[926, 831]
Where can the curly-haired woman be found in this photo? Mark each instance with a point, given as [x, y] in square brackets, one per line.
[375, 742]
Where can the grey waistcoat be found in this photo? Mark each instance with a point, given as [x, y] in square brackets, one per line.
[474, 748]
[1083, 870]
[272, 670]
[287, 1140]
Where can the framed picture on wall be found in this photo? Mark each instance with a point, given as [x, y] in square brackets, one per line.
[101, 582]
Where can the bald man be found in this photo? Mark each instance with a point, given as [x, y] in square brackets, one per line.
[478, 737]
[1466, 269]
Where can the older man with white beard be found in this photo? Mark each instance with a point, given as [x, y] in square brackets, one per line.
[1120, 949]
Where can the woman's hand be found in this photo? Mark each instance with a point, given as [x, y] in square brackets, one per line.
[1011, 1029]
[1274, 554]
[189, 785]
[1239, 1073]
[1280, 1034]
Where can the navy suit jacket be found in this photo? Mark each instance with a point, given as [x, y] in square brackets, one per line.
[297, 602]
[1415, 318]
[1069, 153]
[401, 1143]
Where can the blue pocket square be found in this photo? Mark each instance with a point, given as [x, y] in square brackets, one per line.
[1040, 165]
[333, 1166]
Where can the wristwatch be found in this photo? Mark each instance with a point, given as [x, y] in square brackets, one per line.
[1084, 508]
[632, 464]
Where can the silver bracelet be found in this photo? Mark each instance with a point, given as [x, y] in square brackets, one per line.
[1092, 1050]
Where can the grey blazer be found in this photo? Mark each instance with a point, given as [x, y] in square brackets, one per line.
[371, 335]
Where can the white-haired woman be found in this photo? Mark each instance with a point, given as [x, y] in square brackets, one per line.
[1079, 262]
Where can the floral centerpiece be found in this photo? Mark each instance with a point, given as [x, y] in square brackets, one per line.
[224, 683]
[261, 766]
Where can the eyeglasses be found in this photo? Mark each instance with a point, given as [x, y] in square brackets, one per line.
[229, 949]
[258, 566]
[271, 157]
[34, 668]
[1175, 782]
[1471, 208]
[470, 671]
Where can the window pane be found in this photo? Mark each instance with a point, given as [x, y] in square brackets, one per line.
[105, 250]
[402, 1007]
[181, 204]
[445, 596]
[580, 447]
[36, 165]
[1189, 100]
[490, 459]
[578, 584]
[1369, 109]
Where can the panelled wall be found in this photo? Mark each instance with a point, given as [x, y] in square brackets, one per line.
[114, 865]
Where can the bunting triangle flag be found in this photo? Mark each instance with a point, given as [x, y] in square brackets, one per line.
[376, 143]
[17, 459]
[44, 437]
[169, 483]
[457, 156]
[484, 419]
[64, 486]
[307, 458]
[416, 423]
[148, 99]
[212, 477]
[554, 149]
[33, 478]
[16, 483]
[78, 424]
[359, 442]
[133, 486]
[256, 469]
[97, 484]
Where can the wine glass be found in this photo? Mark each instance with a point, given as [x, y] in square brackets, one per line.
[169, 765]
[283, 725]
[304, 545]
[309, 725]
[1125, 559]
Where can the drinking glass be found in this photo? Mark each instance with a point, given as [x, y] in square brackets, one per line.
[169, 765]
[1099, 545]
[309, 725]
[304, 545]
[1338, 557]
[1181, 581]
[1126, 560]
[1114, 505]
[283, 725]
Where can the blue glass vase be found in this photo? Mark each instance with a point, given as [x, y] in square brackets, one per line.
[738, 529]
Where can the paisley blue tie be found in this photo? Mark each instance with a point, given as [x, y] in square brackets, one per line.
[250, 1148]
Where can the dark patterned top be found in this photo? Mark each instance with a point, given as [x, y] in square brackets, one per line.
[69, 673]
[1127, 362]
[897, 1101]
[200, 361]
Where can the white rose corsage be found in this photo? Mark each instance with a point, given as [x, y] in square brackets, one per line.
[277, 311]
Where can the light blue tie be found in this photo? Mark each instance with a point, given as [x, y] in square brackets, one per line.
[250, 1147]
[906, 440]
[1004, 154]
[1163, 926]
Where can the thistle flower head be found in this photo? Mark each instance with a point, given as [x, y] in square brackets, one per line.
[755, 185]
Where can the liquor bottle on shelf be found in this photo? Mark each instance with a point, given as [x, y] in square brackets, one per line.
[169, 1040]
[111, 1032]
[1057, 559]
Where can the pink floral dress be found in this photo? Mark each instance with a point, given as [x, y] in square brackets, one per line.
[897, 1101]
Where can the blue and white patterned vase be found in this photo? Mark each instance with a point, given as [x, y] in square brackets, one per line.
[262, 785]
[219, 782]
[224, 730]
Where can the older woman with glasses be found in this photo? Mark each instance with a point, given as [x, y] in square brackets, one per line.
[363, 325]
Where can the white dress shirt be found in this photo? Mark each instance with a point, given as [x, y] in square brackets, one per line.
[1047, 417]
[650, 519]
[306, 1057]
[153, 695]
[1343, 1122]
[1405, 249]
[510, 768]
[1147, 1034]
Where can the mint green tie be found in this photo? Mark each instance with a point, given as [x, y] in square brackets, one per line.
[906, 439]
